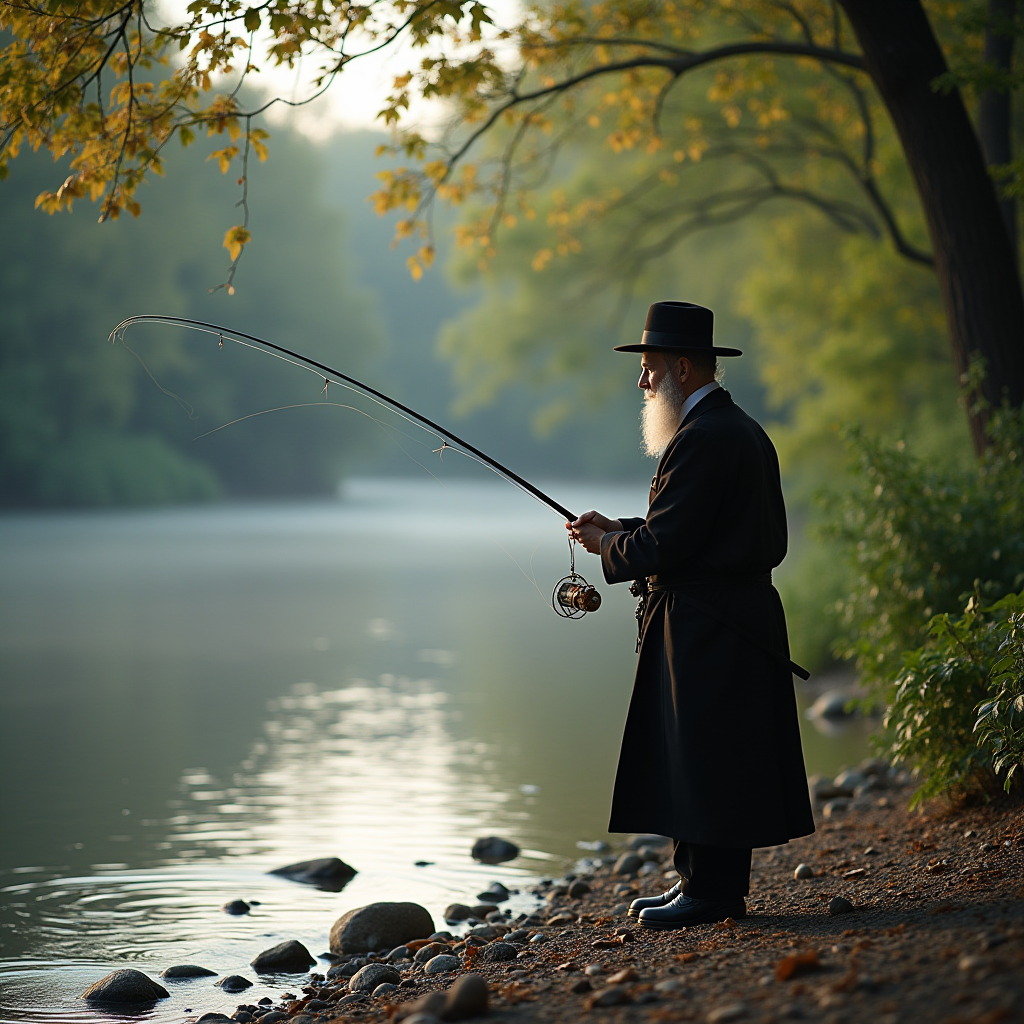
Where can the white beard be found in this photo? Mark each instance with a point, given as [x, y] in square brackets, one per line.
[659, 418]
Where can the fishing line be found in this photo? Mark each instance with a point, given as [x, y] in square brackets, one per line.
[572, 597]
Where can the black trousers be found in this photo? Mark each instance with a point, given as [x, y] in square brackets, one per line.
[712, 872]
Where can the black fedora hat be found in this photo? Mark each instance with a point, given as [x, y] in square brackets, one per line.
[678, 327]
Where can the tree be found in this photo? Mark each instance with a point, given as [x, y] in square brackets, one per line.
[799, 111]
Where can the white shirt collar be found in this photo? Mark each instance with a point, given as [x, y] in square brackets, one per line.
[696, 397]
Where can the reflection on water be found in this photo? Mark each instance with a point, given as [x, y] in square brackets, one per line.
[191, 698]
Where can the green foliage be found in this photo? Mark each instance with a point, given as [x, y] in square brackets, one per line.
[920, 534]
[81, 422]
[1000, 725]
[957, 716]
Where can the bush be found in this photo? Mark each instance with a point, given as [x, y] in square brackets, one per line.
[922, 538]
[957, 716]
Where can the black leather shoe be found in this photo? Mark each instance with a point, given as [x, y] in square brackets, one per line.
[685, 910]
[653, 901]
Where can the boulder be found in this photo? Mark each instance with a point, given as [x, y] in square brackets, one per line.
[329, 873]
[179, 971]
[492, 850]
[380, 926]
[125, 986]
[289, 957]
[372, 975]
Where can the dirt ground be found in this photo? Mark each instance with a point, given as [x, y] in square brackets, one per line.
[936, 933]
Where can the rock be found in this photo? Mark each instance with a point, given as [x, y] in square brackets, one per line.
[236, 907]
[492, 850]
[623, 977]
[242, 1017]
[380, 926]
[352, 997]
[581, 985]
[429, 951]
[215, 1016]
[349, 969]
[578, 889]
[594, 846]
[398, 953]
[481, 911]
[803, 871]
[329, 873]
[442, 964]
[234, 983]
[497, 952]
[670, 986]
[125, 986]
[372, 975]
[457, 912]
[289, 957]
[838, 905]
[648, 840]
[466, 998]
[496, 893]
[614, 995]
[273, 1017]
[628, 864]
[835, 807]
[850, 780]
[384, 989]
[179, 971]
[831, 705]
[650, 853]
[731, 1011]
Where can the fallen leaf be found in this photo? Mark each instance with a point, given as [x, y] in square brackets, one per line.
[795, 964]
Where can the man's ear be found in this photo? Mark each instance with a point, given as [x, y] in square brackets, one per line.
[683, 369]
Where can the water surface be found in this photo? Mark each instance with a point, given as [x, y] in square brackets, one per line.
[190, 698]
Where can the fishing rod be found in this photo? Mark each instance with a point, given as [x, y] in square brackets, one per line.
[572, 597]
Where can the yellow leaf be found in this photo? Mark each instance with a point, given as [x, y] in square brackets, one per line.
[415, 270]
[235, 239]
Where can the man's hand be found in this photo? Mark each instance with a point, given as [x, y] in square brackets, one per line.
[590, 528]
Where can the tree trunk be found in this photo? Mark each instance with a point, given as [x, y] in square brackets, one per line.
[974, 260]
[994, 114]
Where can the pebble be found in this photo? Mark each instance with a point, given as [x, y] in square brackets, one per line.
[538, 938]
[329, 873]
[628, 864]
[731, 1011]
[493, 850]
[384, 989]
[429, 951]
[456, 912]
[234, 983]
[593, 970]
[273, 1017]
[497, 952]
[578, 889]
[620, 909]
[669, 986]
[611, 996]
[839, 905]
[803, 871]
[242, 1017]
[236, 907]
[179, 971]
[125, 986]
[581, 985]
[214, 1016]
[623, 977]
[835, 807]
[290, 957]
[442, 963]
[372, 975]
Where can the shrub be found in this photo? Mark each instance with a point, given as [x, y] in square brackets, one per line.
[957, 716]
[922, 537]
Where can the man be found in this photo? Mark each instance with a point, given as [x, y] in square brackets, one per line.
[711, 751]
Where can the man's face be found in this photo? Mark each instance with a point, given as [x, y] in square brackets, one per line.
[653, 369]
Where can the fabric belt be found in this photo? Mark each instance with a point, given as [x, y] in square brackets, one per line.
[643, 588]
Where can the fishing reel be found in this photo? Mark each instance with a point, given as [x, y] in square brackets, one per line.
[573, 596]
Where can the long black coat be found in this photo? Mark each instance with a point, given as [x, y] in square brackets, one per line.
[711, 752]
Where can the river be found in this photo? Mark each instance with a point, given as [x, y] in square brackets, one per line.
[192, 697]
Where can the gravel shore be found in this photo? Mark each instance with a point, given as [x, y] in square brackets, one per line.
[935, 933]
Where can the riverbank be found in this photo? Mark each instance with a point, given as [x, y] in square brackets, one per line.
[935, 933]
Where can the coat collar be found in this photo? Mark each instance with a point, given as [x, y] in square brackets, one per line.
[718, 398]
